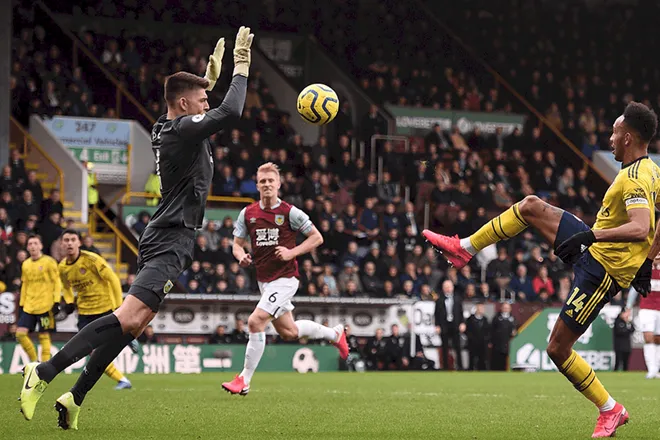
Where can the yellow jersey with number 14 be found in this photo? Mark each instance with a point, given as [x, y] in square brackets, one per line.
[635, 186]
[40, 285]
[98, 288]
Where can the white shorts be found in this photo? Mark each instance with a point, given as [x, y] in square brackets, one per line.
[276, 296]
[649, 321]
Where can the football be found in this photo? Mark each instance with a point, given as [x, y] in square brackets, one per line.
[318, 104]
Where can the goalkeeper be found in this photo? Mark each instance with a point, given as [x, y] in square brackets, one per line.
[184, 161]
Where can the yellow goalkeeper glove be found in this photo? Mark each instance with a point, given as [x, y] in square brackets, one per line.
[242, 51]
[215, 64]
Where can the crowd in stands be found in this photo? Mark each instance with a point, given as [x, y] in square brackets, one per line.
[24, 211]
[373, 245]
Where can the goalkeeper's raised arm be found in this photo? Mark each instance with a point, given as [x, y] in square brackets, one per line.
[197, 125]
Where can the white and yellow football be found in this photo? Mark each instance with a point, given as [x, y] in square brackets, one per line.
[318, 104]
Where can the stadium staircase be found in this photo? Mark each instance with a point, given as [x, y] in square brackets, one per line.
[50, 176]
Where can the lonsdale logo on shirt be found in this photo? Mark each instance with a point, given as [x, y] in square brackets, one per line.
[168, 286]
[528, 347]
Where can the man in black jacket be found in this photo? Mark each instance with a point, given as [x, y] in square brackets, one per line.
[478, 333]
[394, 348]
[623, 330]
[449, 323]
[504, 328]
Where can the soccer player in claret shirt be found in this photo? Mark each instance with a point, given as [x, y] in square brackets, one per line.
[184, 163]
[649, 322]
[271, 225]
[616, 253]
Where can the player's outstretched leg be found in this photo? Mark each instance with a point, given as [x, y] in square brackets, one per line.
[531, 211]
[582, 376]
[314, 330]
[131, 317]
[44, 341]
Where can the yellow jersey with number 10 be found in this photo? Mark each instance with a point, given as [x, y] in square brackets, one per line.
[98, 288]
[40, 285]
[636, 186]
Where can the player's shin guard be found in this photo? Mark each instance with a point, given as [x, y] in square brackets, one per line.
[28, 346]
[97, 365]
[255, 349]
[44, 341]
[97, 333]
[506, 225]
[651, 358]
[314, 330]
[584, 379]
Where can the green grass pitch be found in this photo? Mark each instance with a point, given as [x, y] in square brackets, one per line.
[381, 406]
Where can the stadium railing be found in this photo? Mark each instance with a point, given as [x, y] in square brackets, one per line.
[94, 67]
[126, 198]
[33, 152]
[96, 218]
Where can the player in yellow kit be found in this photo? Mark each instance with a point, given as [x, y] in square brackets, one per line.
[616, 253]
[41, 291]
[97, 287]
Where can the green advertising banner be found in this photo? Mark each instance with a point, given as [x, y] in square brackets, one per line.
[418, 121]
[192, 359]
[100, 155]
[527, 349]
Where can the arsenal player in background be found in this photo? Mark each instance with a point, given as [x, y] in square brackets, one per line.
[271, 225]
[649, 321]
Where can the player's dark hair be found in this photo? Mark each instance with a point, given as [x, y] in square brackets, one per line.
[641, 119]
[31, 236]
[181, 82]
[71, 231]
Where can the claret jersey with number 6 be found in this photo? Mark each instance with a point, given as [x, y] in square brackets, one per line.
[267, 229]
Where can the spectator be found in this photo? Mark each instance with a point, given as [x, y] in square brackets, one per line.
[503, 329]
[542, 281]
[478, 334]
[396, 357]
[623, 331]
[148, 336]
[239, 335]
[449, 323]
[522, 285]
[88, 245]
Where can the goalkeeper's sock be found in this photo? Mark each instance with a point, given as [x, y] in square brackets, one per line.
[44, 341]
[113, 373]
[95, 334]
[99, 362]
[651, 359]
[506, 225]
[255, 349]
[25, 341]
[584, 379]
[314, 330]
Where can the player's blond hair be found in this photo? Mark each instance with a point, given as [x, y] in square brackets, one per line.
[269, 167]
